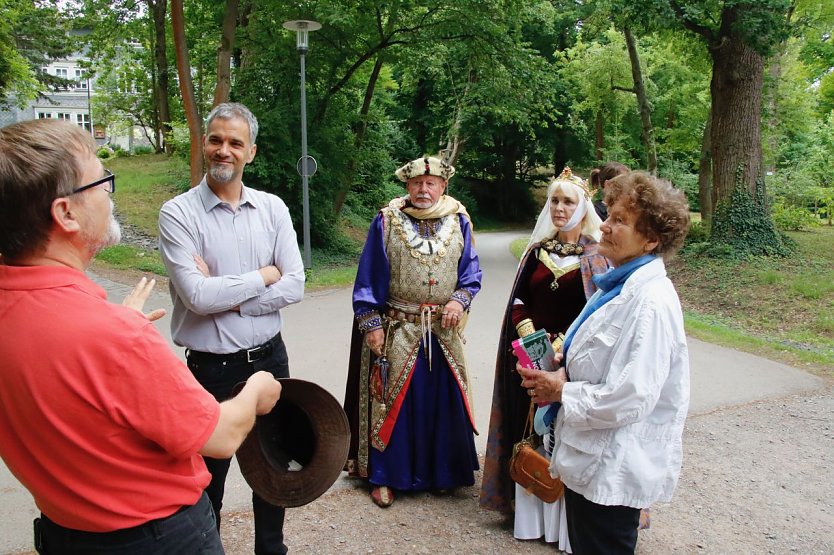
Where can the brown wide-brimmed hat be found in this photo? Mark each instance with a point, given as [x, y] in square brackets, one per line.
[297, 451]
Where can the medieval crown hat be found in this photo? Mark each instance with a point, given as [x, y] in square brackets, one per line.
[427, 165]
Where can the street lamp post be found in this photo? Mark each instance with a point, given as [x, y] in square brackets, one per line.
[306, 164]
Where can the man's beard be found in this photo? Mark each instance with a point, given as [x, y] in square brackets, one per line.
[112, 237]
[222, 173]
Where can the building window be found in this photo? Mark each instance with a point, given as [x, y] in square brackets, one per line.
[80, 80]
[63, 74]
[63, 115]
[44, 115]
[83, 120]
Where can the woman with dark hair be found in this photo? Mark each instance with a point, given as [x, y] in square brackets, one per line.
[621, 399]
[552, 285]
[599, 177]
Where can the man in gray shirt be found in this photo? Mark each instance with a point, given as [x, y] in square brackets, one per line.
[233, 262]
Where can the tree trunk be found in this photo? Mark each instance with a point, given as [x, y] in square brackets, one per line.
[642, 102]
[454, 140]
[704, 174]
[157, 142]
[224, 53]
[774, 77]
[599, 136]
[508, 207]
[359, 137]
[560, 159]
[240, 57]
[158, 8]
[740, 215]
[195, 130]
[736, 90]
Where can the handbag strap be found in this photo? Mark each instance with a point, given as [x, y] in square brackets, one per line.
[528, 427]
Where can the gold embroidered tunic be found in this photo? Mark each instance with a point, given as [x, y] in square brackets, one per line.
[424, 276]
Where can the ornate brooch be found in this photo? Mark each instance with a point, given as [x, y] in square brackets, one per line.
[562, 249]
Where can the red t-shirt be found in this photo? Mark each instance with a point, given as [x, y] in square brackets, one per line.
[99, 419]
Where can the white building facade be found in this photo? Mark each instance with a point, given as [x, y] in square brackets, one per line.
[73, 103]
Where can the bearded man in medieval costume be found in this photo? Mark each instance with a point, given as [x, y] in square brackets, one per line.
[408, 394]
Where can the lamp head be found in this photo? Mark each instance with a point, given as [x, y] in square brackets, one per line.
[302, 28]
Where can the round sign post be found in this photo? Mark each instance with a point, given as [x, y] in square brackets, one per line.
[308, 169]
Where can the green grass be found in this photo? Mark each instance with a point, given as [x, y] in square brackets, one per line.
[782, 308]
[707, 329]
[769, 277]
[126, 257]
[825, 323]
[330, 277]
[335, 267]
[814, 286]
[143, 184]
[518, 245]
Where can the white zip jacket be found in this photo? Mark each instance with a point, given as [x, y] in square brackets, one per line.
[618, 433]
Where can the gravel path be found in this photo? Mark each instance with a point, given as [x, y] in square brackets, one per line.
[756, 479]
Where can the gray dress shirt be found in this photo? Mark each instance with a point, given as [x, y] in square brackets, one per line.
[235, 244]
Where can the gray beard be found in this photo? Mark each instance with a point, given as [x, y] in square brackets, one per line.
[112, 237]
[221, 174]
[114, 232]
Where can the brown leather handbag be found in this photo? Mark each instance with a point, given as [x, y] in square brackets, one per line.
[531, 470]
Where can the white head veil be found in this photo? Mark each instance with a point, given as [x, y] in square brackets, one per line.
[584, 215]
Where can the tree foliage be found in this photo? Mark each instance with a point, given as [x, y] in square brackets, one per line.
[735, 88]
[31, 34]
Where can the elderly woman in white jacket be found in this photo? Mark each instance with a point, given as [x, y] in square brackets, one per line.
[621, 398]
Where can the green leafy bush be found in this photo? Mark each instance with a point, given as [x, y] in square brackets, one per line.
[180, 140]
[792, 218]
[682, 178]
[105, 152]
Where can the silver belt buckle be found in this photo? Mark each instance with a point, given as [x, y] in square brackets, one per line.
[250, 352]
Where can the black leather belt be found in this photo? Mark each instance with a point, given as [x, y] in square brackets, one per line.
[246, 355]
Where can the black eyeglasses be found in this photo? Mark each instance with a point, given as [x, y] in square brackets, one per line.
[109, 178]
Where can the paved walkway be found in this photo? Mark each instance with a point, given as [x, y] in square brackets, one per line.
[317, 333]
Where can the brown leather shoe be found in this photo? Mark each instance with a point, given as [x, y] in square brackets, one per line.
[383, 496]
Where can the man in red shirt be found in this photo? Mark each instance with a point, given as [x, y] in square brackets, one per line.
[99, 420]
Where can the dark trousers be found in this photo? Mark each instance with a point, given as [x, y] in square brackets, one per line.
[600, 529]
[191, 530]
[219, 378]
